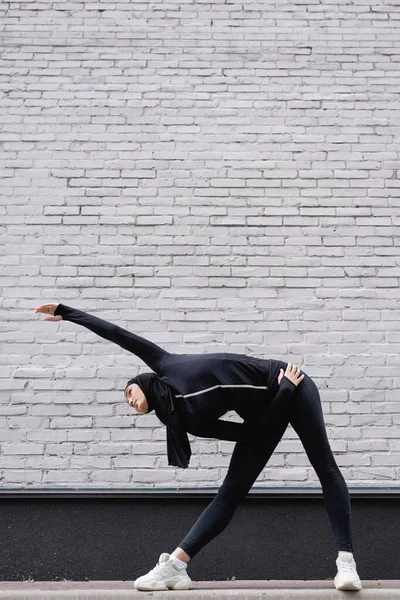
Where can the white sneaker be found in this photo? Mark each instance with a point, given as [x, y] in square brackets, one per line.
[347, 577]
[164, 575]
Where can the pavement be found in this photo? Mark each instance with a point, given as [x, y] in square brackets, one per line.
[385, 589]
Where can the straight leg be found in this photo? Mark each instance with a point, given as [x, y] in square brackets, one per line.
[308, 421]
[247, 462]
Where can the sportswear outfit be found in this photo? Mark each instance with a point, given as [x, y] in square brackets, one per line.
[203, 387]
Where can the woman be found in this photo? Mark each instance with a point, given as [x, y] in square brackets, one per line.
[189, 393]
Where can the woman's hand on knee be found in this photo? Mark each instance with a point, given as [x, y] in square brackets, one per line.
[293, 373]
[48, 309]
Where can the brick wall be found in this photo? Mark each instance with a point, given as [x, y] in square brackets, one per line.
[215, 176]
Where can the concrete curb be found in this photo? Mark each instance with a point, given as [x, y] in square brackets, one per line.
[237, 590]
[201, 595]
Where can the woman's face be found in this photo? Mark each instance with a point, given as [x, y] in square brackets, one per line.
[136, 398]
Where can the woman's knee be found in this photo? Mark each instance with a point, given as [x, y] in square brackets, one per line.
[328, 471]
[232, 492]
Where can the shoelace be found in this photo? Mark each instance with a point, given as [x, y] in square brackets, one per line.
[157, 568]
[345, 566]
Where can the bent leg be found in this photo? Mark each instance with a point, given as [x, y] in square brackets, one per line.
[308, 421]
[247, 462]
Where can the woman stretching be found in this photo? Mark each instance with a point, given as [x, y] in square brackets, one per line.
[189, 393]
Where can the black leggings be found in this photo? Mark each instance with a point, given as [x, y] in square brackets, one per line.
[249, 459]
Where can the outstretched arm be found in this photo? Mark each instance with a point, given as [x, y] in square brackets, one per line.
[149, 352]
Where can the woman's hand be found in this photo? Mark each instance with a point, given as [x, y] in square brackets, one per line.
[48, 309]
[292, 373]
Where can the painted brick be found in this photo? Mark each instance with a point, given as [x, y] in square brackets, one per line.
[209, 209]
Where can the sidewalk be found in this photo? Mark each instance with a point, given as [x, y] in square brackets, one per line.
[202, 590]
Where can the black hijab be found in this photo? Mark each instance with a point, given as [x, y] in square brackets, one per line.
[160, 398]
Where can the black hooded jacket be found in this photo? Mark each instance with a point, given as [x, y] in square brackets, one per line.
[206, 386]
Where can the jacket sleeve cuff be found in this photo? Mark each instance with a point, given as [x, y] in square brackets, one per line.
[287, 385]
[62, 309]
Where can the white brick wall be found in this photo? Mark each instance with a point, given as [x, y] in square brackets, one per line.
[214, 176]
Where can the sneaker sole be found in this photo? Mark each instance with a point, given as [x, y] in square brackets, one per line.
[349, 585]
[143, 587]
[159, 586]
[184, 585]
